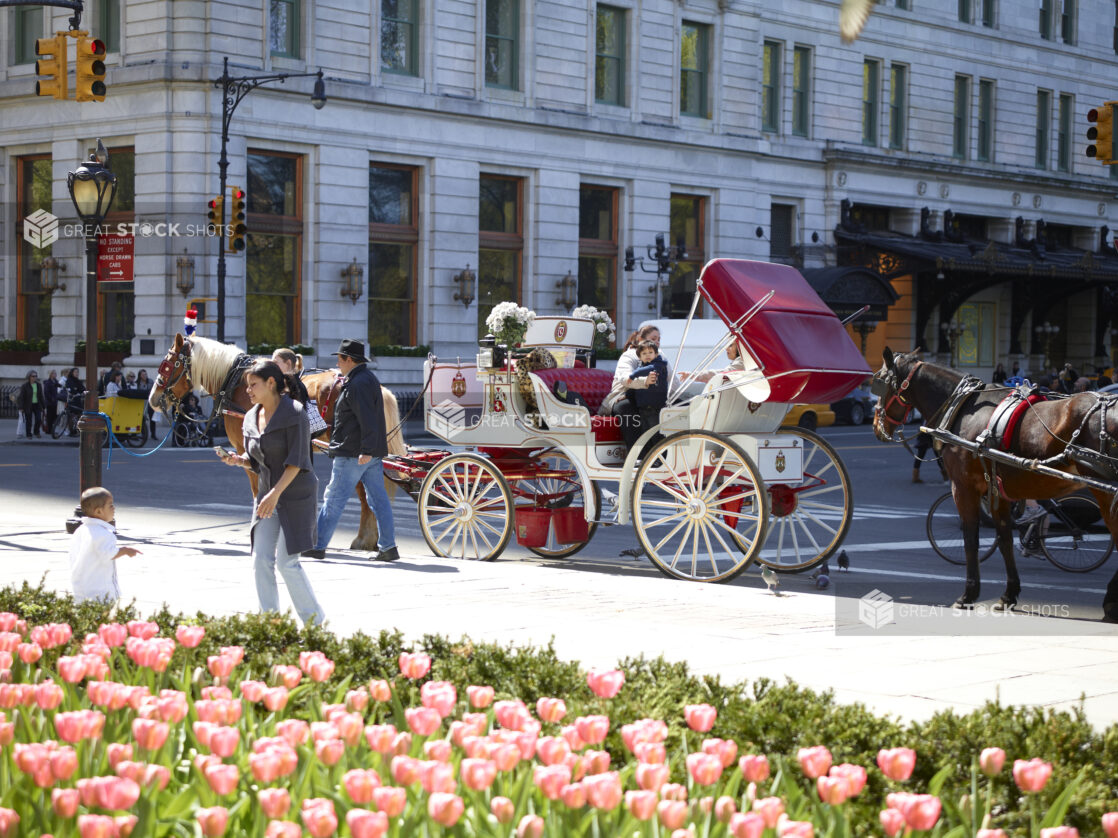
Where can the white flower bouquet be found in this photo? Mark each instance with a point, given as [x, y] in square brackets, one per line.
[508, 323]
[604, 330]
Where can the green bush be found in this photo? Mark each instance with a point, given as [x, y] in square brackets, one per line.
[29, 345]
[391, 350]
[609, 354]
[108, 346]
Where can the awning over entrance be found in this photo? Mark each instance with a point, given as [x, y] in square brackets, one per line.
[848, 288]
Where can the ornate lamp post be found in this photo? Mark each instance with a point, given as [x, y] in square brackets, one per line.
[664, 258]
[951, 332]
[1045, 332]
[864, 328]
[92, 188]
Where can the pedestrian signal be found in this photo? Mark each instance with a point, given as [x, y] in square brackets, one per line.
[89, 80]
[237, 228]
[51, 67]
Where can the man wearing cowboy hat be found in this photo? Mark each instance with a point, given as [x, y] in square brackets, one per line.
[358, 442]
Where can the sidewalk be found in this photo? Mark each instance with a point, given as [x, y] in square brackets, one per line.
[193, 561]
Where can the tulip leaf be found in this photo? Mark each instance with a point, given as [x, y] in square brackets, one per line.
[941, 777]
[178, 804]
[1059, 809]
[958, 832]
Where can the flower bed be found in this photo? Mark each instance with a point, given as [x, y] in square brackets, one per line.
[164, 727]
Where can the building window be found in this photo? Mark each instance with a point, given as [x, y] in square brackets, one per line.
[688, 228]
[1043, 118]
[1063, 133]
[782, 232]
[975, 346]
[597, 248]
[500, 243]
[905, 5]
[694, 61]
[988, 13]
[399, 36]
[116, 301]
[1046, 19]
[27, 26]
[502, 28]
[966, 12]
[801, 91]
[393, 247]
[108, 20]
[34, 183]
[985, 151]
[898, 104]
[960, 137]
[274, 255]
[1069, 21]
[870, 85]
[609, 56]
[1116, 26]
[770, 87]
[283, 28]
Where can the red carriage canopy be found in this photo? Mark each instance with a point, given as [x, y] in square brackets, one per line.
[795, 339]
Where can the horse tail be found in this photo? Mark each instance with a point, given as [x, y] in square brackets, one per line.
[298, 363]
[392, 422]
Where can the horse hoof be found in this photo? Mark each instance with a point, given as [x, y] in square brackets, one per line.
[963, 602]
[1004, 604]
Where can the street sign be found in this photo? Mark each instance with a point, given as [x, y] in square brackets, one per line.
[114, 258]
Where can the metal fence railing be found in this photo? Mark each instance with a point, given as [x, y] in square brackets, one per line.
[7, 406]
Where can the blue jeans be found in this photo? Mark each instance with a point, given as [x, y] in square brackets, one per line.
[269, 549]
[344, 477]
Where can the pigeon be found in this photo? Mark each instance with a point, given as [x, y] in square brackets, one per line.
[823, 570]
[843, 561]
[822, 581]
[771, 579]
[633, 552]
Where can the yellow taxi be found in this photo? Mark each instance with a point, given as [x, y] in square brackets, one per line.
[809, 416]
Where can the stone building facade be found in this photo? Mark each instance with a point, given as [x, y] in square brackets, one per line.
[532, 141]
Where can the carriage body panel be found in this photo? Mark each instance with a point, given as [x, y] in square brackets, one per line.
[126, 414]
[794, 338]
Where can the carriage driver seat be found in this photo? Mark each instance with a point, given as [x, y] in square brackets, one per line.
[593, 385]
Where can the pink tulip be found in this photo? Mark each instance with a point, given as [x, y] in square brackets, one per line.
[444, 808]
[63, 763]
[605, 684]
[700, 717]
[643, 730]
[93, 826]
[414, 665]
[769, 808]
[592, 729]
[502, 808]
[29, 652]
[896, 763]
[213, 820]
[814, 762]
[380, 690]
[747, 825]
[329, 751]
[423, 721]
[573, 796]
[705, 769]
[550, 779]
[71, 668]
[118, 752]
[480, 697]
[832, 790]
[320, 670]
[921, 811]
[440, 696]
[892, 821]
[603, 791]
[142, 629]
[854, 775]
[1031, 775]
[754, 768]
[437, 776]
[651, 752]
[552, 750]
[288, 676]
[380, 737]
[365, 824]
[672, 813]
[991, 833]
[390, 799]
[189, 637]
[283, 829]
[795, 829]
[530, 826]
[438, 750]
[359, 785]
[1060, 832]
[597, 762]
[64, 802]
[551, 709]
[506, 757]
[319, 818]
[222, 779]
[405, 770]
[275, 699]
[725, 808]
[48, 695]
[673, 791]
[511, 714]
[477, 774]
[274, 803]
[725, 749]
[991, 761]
[1110, 824]
[7, 733]
[150, 734]
[641, 804]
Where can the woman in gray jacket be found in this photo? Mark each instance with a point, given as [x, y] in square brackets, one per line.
[278, 443]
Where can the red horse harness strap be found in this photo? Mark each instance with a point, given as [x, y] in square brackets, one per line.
[1008, 415]
[899, 397]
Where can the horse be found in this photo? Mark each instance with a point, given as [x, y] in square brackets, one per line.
[1047, 430]
[217, 368]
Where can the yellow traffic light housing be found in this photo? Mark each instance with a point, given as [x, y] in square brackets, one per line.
[52, 67]
[1101, 134]
[237, 228]
[215, 215]
[89, 80]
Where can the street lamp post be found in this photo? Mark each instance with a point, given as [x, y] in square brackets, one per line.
[233, 90]
[952, 332]
[1046, 332]
[864, 328]
[92, 188]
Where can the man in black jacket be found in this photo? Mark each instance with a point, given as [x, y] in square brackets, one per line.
[358, 442]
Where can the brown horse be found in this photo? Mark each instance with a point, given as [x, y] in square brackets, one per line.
[217, 369]
[1046, 430]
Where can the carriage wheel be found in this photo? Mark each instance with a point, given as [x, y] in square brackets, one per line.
[699, 507]
[808, 521]
[61, 421]
[557, 493]
[137, 439]
[465, 508]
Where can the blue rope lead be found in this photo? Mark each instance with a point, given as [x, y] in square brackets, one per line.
[113, 440]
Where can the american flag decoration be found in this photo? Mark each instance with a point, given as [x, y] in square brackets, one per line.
[190, 321]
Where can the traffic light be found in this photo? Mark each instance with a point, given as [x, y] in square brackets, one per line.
[89, 80]
[215, 215]
[52, 67]
[1101, 134]
[237, 228]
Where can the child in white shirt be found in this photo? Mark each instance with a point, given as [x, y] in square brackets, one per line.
[93, 550]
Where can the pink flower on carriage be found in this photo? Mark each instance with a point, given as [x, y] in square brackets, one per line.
[605, 683]
[991, 761]
[896, 763]
[414, 665]
[814, 762]
[480, 696]
[1031, 775]
[551, 709]
[189, 637]
[700, 717]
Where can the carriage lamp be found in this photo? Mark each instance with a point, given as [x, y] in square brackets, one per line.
[184, 273]
[50, 269]
[465, 281]
[352, 286]
[92, 187]
[566, 286]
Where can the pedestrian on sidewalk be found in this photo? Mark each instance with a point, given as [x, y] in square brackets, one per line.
[93, 550]
[278, 448]
[32, 400]
[53, 390]
[358, 442]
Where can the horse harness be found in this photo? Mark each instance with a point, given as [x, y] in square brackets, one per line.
[173, 370]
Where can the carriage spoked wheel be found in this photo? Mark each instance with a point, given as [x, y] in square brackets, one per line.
[700, 508]
[466, 509]
[808, 520]
[558, 488]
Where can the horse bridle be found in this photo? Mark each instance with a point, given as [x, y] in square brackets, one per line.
[171, 371]
[886, 387]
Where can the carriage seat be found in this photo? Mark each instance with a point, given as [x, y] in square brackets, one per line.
[593, 385]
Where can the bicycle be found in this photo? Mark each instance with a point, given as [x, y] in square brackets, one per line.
[66, 422]
[1071, 533]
